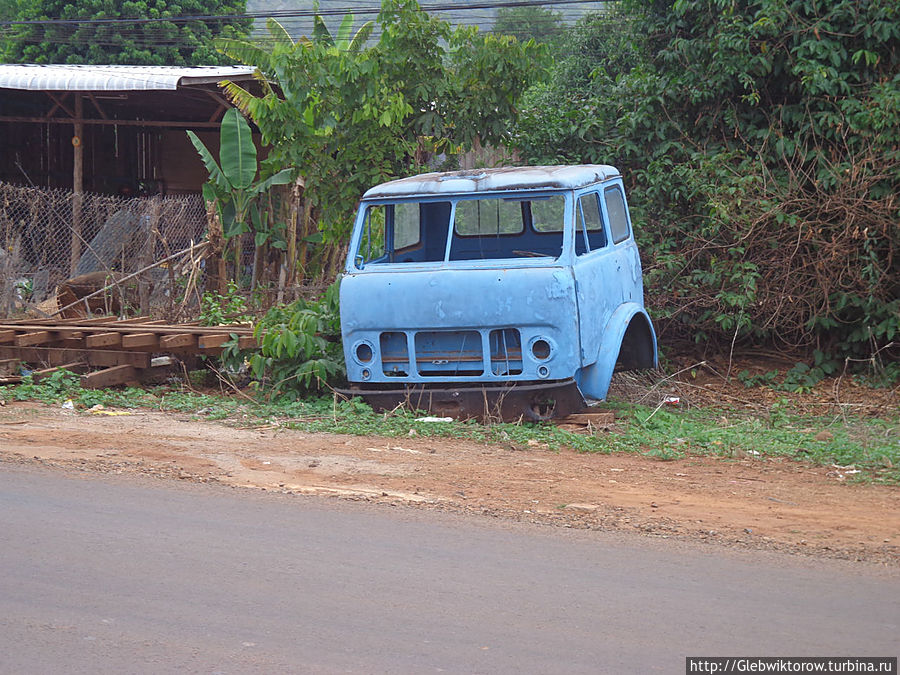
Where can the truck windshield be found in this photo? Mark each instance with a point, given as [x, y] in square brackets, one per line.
[484, 228]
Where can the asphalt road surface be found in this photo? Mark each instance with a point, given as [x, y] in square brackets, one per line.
[108, 575]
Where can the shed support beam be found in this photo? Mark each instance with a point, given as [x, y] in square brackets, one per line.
[77, 181]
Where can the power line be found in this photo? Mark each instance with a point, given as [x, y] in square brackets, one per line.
[161, 33]
[429, 8]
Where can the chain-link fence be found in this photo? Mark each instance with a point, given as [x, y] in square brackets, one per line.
[50, 236]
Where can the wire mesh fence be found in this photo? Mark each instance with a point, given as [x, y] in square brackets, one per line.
[54, 239]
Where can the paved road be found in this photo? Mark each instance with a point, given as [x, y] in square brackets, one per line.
[102, 575]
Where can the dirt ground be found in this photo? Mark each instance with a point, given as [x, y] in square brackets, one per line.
[753, 502]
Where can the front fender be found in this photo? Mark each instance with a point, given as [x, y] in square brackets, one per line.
[593, 380]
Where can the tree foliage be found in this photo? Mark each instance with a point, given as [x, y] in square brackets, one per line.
[151, 43]
[348, 114]
[761, 139]
[529, 23]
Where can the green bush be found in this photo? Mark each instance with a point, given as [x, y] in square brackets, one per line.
[760, 140]
[300, 346]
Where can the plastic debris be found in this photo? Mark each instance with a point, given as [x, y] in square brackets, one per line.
[672, 400]
[434, 419]
[68, 405]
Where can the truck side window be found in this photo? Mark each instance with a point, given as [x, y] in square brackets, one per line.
[615, 209]
[589, 224]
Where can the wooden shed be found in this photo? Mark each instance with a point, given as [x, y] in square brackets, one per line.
[110, 129]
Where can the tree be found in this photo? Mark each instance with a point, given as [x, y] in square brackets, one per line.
[529, 23]
[350, 115]
[156, 42]
[762, 136]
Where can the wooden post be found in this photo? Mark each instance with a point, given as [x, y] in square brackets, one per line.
[77, 181]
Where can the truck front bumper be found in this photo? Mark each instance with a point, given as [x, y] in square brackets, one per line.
[507, 402]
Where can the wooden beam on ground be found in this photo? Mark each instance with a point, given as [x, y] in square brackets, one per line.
[183, 341]
[7, 336]
[212, 341]
[247, 342]
[125, 327]
[37, 337]
[74, 366]
[140, 341]
[84, 321]
[103, 340]
[53, 356]
[109, 377]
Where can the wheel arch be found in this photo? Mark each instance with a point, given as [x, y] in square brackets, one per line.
[628, 343]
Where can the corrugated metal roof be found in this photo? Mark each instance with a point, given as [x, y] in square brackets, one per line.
[113, 78]
[505, 178]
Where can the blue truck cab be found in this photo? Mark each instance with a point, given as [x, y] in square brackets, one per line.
[507, 292]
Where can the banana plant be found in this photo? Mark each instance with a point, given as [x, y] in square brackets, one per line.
[232, 181]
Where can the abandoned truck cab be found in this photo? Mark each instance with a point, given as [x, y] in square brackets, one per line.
[497, 292]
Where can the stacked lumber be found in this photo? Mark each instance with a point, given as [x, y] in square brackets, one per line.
[107, 350]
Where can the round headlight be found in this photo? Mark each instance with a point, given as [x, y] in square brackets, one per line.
[540, 349]
[364, 352]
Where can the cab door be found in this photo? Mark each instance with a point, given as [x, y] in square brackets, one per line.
[597, 272]
[624, 248]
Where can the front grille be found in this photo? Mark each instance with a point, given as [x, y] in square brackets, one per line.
[449, 353]
[506, 351]
[394, 354]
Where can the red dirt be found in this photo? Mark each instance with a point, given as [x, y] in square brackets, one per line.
[754, 502]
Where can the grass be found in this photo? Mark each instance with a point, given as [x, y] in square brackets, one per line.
[870, 445]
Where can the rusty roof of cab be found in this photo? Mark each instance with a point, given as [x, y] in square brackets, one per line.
[510, 178]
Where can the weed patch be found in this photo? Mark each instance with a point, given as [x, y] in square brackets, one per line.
[869, 446]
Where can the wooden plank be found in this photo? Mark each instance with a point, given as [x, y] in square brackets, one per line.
[103, 340]
[74, 366]
[37, 337]
[53, 356]
[74, 343]
[140, 340]
[109, 377]
[97, 320]
[7, 336]
[212, 341]
[183, 341]
[597, 419]
[124, 327]
[247, 342]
